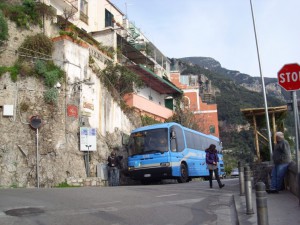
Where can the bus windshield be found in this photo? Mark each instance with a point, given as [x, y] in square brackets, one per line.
[149, 141]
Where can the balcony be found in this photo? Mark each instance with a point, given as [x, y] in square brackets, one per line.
[68, 5]
[155, 82]
[133, 54]
[147, 107]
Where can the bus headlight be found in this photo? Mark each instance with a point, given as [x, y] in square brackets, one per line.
[130, 168]
[165, 164]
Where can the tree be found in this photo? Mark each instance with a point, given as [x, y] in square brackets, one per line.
[183, 115]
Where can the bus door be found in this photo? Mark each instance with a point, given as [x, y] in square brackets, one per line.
[177, 146]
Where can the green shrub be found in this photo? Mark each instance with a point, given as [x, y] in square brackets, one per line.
[51, 78]
[3, 28]
[146, 120]
[50, 96]
[65, 185]
[30, 12]
[14, 71]
[40, 67]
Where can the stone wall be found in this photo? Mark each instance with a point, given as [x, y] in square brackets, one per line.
[57, 140]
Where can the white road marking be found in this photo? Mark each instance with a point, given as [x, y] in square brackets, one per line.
[104, 203]
[160, 196]
[178, 202]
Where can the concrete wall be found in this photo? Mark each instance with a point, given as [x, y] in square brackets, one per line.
[292, 183]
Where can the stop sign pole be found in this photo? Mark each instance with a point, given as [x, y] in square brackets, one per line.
[289, 79]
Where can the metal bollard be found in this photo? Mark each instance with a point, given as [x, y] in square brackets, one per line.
[241, 179]
[261, 204]
[248, 190]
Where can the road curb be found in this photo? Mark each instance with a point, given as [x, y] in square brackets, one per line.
[235, 212]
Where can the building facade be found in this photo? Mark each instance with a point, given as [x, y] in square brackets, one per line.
[199, 98]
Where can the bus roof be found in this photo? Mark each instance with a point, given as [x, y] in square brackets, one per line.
[167, 125]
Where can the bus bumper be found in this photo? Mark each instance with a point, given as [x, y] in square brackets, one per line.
[150, 173]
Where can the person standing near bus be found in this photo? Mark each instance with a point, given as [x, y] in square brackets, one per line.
[281, 158]
[212, 160]
[114, 165]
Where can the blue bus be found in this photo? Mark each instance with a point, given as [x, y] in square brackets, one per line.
[169, 151]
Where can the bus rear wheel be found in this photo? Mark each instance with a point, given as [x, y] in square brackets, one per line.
[183, 174]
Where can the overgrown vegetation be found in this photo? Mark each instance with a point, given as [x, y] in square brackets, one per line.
[38, 46]
[38, 49]
[51, 74]
[13, 70]
[183, 115]
[29, 12]
[77, 35]
[118, 78]
[3, 29]
[65, 185]
[147, 120]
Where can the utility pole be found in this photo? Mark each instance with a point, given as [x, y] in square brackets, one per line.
[263, 86]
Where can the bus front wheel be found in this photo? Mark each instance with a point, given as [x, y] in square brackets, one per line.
[183, 174]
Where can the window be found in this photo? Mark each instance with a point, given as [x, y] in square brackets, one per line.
[212, 129]
[84, 6]
[108, 18]
[189, 139]
[179, 145]
[84, 10]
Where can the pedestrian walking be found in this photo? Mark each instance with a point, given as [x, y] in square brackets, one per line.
[212, 161]
[114, 166]
[281, 158]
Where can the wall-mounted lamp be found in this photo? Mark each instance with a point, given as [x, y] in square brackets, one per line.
[57, 85]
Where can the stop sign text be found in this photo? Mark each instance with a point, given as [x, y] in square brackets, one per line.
[289, 77]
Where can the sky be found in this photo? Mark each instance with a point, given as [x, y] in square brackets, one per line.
[222, 30]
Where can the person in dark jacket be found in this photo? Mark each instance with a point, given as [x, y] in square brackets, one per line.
[114, 165]
[281, 158]
[212, 160]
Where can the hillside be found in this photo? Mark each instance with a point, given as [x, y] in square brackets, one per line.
[245, 80]
[234, 95]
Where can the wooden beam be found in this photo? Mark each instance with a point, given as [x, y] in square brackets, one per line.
[256, 138]
[261, 135]
[274, 127]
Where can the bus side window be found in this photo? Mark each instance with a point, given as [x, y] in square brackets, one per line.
[179, 139]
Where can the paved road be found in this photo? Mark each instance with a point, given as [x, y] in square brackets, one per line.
[168, 204]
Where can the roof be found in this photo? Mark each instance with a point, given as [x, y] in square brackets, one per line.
[154, 81]
[249, 112]
[132, 53]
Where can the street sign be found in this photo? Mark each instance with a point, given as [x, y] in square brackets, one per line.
[289, 77]
[88, 139]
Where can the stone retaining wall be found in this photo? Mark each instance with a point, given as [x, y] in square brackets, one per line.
[85, 182]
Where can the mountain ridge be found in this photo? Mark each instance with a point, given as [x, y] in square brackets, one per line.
[245, 80]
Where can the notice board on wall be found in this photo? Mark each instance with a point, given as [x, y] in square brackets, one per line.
[88, 140]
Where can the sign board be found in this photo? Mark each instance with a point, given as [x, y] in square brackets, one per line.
[72, 111]
[289, 77]
[88, 139]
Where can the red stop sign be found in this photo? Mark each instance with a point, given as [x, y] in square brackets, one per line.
[289, 77]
